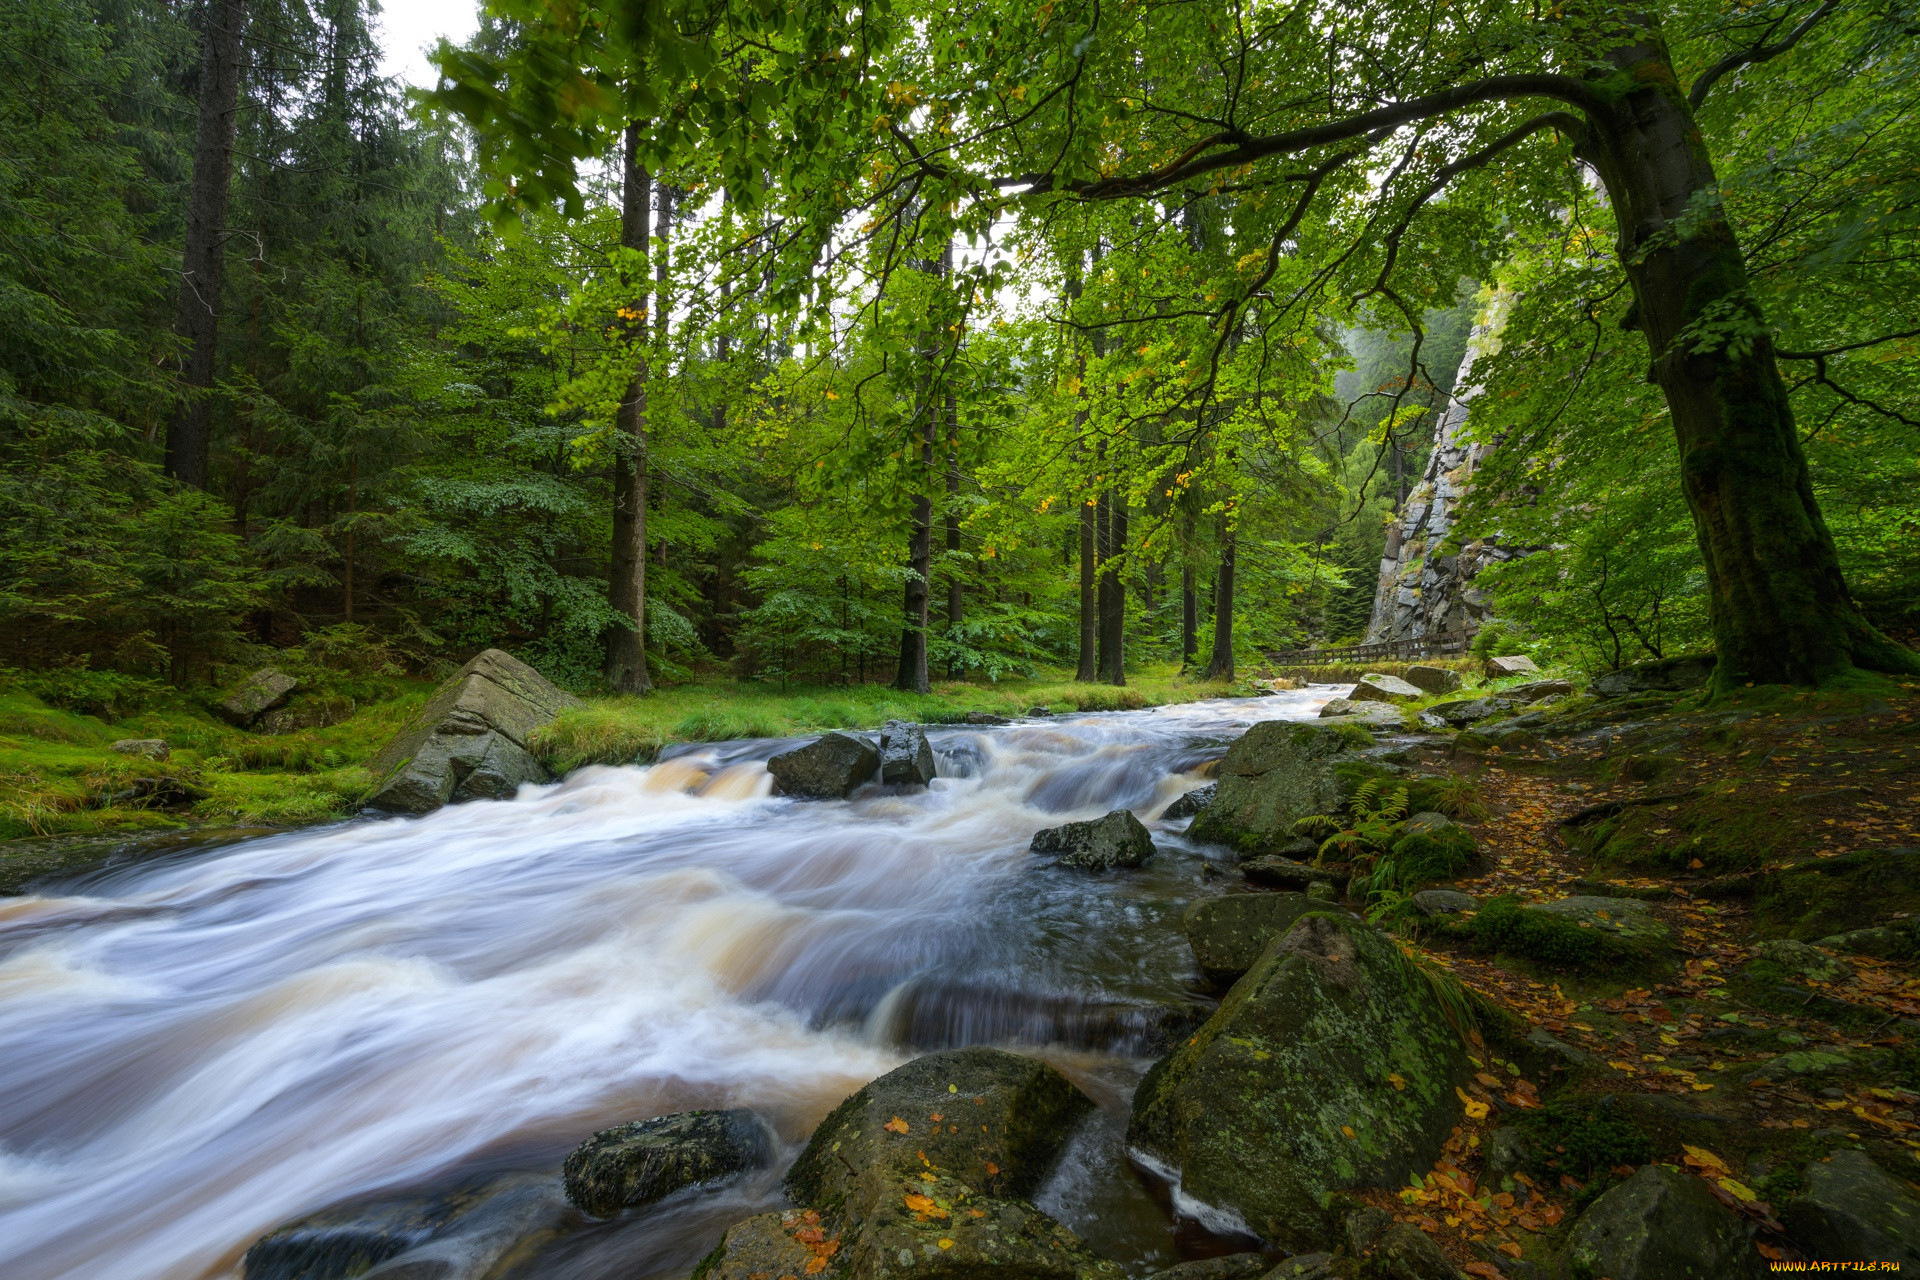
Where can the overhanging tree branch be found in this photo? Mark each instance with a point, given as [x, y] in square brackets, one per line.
[1758, 53]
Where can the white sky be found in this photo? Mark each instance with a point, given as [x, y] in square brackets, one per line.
[410, 27]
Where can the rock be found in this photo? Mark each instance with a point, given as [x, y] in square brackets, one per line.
[258, 694]
[1275, 872]
[1232, 1266]
[1431, 846]
[1322, 891]
[1039, 711]
[1379, 688]
[307, 713]
[985, 717]
[1852, 1210]
[1897, 940]
[1229, 933]
[1661, 1224]
[1284, 684]
[145, 748]
[1457, 714]
[459, 1235]
[906, 757]
[1404, 1252]
[1808, 962]
[1824, 896]
[1190, 803]
[635, 1164]
[1557, 1050]
[1512, 665]
[1628, 919]
[470, 741]
[1432, 679]
[1278, 772]
[1669, 675]
[1288, 1093]
[828, 768]
[1801, 1063]
[1441, 902]
[156, 793]
[1507, 1154]
[1366, 712]
[1539, 691]
[1117, 840]
[1314, 1266]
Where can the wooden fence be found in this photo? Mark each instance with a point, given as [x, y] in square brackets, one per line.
[1448, 642]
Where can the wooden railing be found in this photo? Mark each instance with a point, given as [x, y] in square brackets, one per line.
[1434, 646]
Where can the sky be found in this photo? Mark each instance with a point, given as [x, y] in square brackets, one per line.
[409, 27]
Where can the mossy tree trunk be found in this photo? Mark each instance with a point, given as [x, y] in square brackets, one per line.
[1780, 608]
[626, 665]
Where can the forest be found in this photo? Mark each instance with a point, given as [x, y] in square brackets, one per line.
[1308, 615]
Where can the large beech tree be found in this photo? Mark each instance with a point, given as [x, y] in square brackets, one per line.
[1370, 155]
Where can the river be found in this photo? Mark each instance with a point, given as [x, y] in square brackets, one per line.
[197, 1049]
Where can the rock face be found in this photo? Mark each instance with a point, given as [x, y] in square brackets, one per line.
[460, 1235]
[1432, 679]
[1190, 803]
[636, 1164]
[145, 748]
[828, 768]
[1669, 675]
[923, 1173]
[906, 757]
[258, 694]
[470, 741]
[1378, 688]
[1228, 934]
[1513, 665]
[1117, 840]
[1661, 1224]
[1274, 775]
[1852, 1210]
[1627, 919]
[1329, 1067]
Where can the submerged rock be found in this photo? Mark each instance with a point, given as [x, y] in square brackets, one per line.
[906, 757]
[635, 1164]
[258, 694]
[470, 741]
[1379, 688]
[1852, 1210]
[1329, 1067]
[828, 768]
[1117, 840]
[1277, 773]
[1432, 679]
[1229, 933]
[1190, 803]
[1661, 1224]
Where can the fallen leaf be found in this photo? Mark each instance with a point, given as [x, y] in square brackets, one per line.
[992, 1168]
[1475, 1110]
[1347, 1129]
[1486, 1271]
[1511, 1249]
[1397, 1081]
[895, 1125]
[1704, 1158]
[1740, 1190]
[945, 1243]
[923, 1204]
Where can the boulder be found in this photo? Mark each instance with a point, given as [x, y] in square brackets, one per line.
[1276, 773]
[1329, 1067]
[1275, 872]
[1441, 902]
[1851, 1210]
[906, 757]
[1511, 665]
[307, 713]
[1825, 896]
[635, 1164]
[1539, 690]
[1229, 933]
[828, 768]
[1661, 1224]
[1395, 1250]
[155, 793]
[1190, 803]
[1669, 675]
[1627, 919]
[1895, 940]
[1432, 679]
[1117, 840]
[1431, 846]
[986, 717]
[1379, 688]
[461, 1234]
[145, 748]
[1457, 714]
[1808, 962]
[470, 741]
[1366, 712]
[1231, 1266]
[1284, 684]
[258, 694]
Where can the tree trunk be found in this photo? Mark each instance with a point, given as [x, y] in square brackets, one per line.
[1113, 593]
[1779, 605]
[197, 319]
[1189, 618]
[955, 601]
[626, 669]
[910, 675]
[1220, 667]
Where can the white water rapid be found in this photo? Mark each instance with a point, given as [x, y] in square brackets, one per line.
[198, 1049]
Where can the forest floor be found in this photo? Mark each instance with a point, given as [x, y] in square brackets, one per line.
[59, 778]
[1780, 816]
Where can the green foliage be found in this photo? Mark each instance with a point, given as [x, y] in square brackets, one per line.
[1423, 857]
[1577, 1137]
[1374, 812]
[1504, 926]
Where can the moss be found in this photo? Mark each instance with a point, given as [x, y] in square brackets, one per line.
[1574, 1136]
[1504, 926]
[1425, 857]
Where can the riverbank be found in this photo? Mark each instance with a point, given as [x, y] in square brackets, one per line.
[66, 801]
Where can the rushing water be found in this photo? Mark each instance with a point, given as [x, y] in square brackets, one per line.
[196, 1050]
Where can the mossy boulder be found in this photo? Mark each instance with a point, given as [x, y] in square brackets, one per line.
[828, 768]
[635, 1164]
[1667, 675]
[1189, 803]
[1573, 933]
[253, 697]
[1832, 895]
[1804, 961]
[1432, 847]
[1852, 1210]
[1331, 1066]
[1895, 940]
[1277, 773]
[1230, 933]
[1117, 840]
[1661, 1224]
[1374, 687]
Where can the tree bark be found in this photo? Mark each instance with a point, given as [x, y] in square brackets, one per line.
[1189, 618]
[910, 675]
[1779, 604]
[197, 318]
[1113, 591]
[955, 596]
[1220, 666]
[626, 669]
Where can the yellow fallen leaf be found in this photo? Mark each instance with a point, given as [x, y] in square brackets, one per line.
[923, 1204]
[1476, 1110]
[1397, 1081]
[946, 1244]
[1738, 1190]
[895, 1125]
[1704, 1158]
[1347, 1129]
